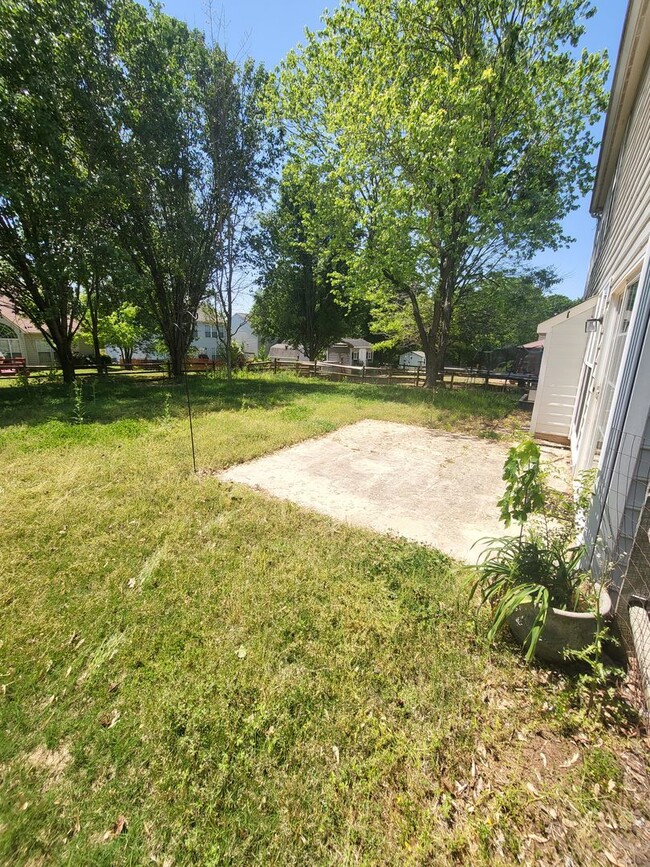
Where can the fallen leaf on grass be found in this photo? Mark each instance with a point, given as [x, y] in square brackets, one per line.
[118, 828]
[574, 758]
[241, 652]
[108, 720]
[538, 838]
[613, 860]
[74, 829]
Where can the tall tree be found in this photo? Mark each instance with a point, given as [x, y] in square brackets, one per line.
[55, 138]
[244, 149]
[300, 297]
[461, 130]
[171, 210]
[197, 158]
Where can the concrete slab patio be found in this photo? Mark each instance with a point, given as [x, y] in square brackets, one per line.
[431, 487]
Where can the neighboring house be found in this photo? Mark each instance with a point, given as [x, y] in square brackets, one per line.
[416, 358]
[610, 423]
[207, 341]
[286, 352]
[20, 339]
[564, 342]
[353, 351]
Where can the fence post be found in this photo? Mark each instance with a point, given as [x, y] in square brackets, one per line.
[315, 367]
[417, 376]
[363, 371]
[275, 365]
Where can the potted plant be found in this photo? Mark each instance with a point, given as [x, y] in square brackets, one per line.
[534, 581]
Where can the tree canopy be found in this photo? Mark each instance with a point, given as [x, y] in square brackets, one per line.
[504, 310]
[459, 131]
[121, 132]
[301, 251]
[55, 164]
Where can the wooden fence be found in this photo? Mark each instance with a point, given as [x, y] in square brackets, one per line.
[413, 377]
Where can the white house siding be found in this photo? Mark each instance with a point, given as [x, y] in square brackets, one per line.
[30, 345]
[413, 359]
[286, 352]
[206, 339]
[349, 354]
[564, 345]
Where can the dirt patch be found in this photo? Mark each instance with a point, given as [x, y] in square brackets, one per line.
[435, 488]
[50, 763]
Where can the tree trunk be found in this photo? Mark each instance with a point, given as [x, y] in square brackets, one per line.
[66, 361]
[127, 358]
[228, 349]
[431, 357]
[93, 311]
[61, 342]
[176, 359]
[445, 325]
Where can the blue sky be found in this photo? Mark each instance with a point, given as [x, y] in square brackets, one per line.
[267, 30]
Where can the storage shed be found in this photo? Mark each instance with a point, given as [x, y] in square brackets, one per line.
[286, 352]
[415, 358]
[353, 351]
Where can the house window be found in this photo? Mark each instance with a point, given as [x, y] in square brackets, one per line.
[211, 331]
[355, 355]
[9, 344]
[625, 306]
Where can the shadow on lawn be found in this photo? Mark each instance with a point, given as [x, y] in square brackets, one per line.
[105, 401]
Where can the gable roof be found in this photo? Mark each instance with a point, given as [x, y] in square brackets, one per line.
[581, 307]
[354, 342]
[630, 67]
[8, 312]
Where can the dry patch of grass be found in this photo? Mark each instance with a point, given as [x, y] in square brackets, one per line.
[193, 676]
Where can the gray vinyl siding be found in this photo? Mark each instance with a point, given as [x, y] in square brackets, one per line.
[623, 228]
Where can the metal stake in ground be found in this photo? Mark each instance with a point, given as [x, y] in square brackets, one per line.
[189, 415]
[189, 402]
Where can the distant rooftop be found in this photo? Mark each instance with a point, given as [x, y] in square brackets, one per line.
[355, 342]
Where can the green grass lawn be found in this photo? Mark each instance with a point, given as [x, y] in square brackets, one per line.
[196, 674]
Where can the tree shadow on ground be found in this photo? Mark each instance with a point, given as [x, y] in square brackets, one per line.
[118, 398]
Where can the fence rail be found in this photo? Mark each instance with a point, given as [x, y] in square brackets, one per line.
[413, 377]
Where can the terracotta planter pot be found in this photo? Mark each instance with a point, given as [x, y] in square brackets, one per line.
[563, 630]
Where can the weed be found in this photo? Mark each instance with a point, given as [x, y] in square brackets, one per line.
[166, 413]
[77, 402]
